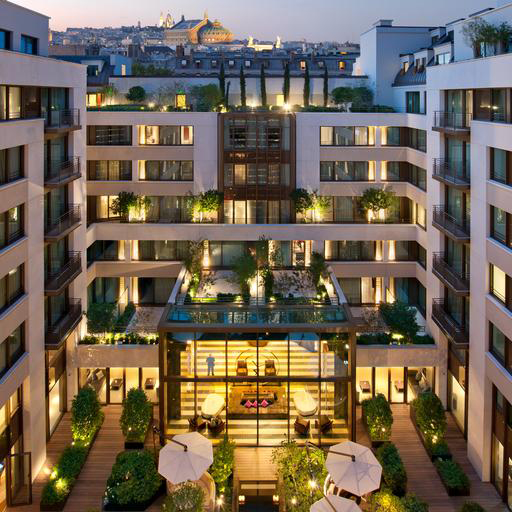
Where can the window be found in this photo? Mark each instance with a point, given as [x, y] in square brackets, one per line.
[166, 170]
[103, 290]
[412, 101]
[501, 226]
[408, 137]
[341, 64]
[256, 211]
[11, 164]
[28, 45]
[500, 347]
[166, 135]
[154, 290]
[302, 65]
[5, 40]
[443, 58]
[10, 102]
[346, 171]
[500, 166]
[499, 284]
[256, 174]
[347, 250]
[180, 100]
[109, 170]
[347, 136]
[103, 250]
[12, 348]
[11, 287]
[11, 226]
[162, 250]
[490, 105]
[109, 135]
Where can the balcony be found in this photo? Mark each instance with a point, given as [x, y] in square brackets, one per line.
[58, 333]
[58, 279]
[62, 120]
[459, 122]
[454, 173]
[61, 173]
[445, 322]
[455, 279]
[62, 226]
[449, 225]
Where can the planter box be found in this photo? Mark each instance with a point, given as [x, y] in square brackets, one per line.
[456, 492]
[135, 507]
[375, 442]
[138, 445]
[433, 458]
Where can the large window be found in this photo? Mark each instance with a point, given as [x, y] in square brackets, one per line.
[11, 287]
[109, 170]
[12, 348]
[347, 136]
[28, 45]
[500, 347]
[412, 102]
[501, 166]
[166, 170]
[490, 105]
[103, 250]
[256, 212]
[109, 135]
[162, 250]
[5, 40]
[10, 102]
[257, 132]
[154, 290]
[501, 226]
[11, 164]
[347, 171]
[404, 171]
[348, 250]
[407, 250]
[11, 226]
[166, 135]
[408, 137]
[501, 285]
[103, 290]
[238, 175]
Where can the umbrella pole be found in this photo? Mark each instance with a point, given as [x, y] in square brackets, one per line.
[185, 447]
[329, 503]
[353, 457]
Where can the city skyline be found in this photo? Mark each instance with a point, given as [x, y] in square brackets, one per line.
[291, 19]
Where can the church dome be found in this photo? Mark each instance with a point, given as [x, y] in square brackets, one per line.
[215, 33]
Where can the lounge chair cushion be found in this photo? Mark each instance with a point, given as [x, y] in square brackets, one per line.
[213, 405]
[304, 403]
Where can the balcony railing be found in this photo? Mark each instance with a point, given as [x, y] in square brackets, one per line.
[447, 324]
[61, 119]
[62, 276]
[458, 280]
[67, 221]
[455, 228]
[452, 172]
[62, 172]
[460, 121]
[57, 333]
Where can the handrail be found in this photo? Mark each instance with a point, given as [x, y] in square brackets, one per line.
[61, 170]
[65, 221]
[62, 118]
[58, 277]
[453, 120]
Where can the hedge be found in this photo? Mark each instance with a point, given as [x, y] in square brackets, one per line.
[453, 477]
[393, 470]
[378, 417]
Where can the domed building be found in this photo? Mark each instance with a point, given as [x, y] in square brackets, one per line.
[197, 32]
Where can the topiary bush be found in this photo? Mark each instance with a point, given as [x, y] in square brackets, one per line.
[453, 477]
[393, 470]
[134, 479]
[86, 416]
[430, 418]
[136, 415]
[385, 501]
[471, 506]
[378, 417]
[222, 468]
[187, 497]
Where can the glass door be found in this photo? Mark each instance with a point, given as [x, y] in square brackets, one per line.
[19, 479]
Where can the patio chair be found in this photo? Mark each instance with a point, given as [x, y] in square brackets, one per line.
[241, 368]
[216, 426]
[324, 424]
[302, 426]
[270, 368]
[196, 424]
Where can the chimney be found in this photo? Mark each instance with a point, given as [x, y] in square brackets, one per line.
[182, 17]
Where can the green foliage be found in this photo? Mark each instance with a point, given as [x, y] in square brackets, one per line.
[452, 476]
[110, 92]
[128, 202]
[263, 86]
[297, 466]
[268, 281]
[136, 416]
[385, 501]
[393, 470]
[131, 338]
[380, 338]
[243, 93]
[471, 506]
[379, 417]
[136, 94]
[194, 263]
[359, 96]
[375, 199]
[124, 319]
[222, 467]
[430, 417]
[245, 268]
[479, 31]
[209, 201]
[207, 98]
[149, 70]
[400, 318]
[286, 83]
[86, 416]
[326, 87]
[317, 267]
[306, 202]
[440, 450]
[134, 478]
[101, 317]
[307, 87]
[187, 497]
[222, 81]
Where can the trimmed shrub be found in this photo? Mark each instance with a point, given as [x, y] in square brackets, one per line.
[222, 468]
[471, 506]
[134, 478]
[136, 415]
[401, 318]
[453, 477]
[380, 338]
[413, 504]
[378, 417]
[430, 418]
[440, 450]
[86, 416]
[186, 498]
[393, 470]
[385, 501]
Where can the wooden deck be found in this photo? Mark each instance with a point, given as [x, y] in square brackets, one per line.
[254, 464]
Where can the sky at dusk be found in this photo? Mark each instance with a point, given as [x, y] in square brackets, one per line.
[313, 20]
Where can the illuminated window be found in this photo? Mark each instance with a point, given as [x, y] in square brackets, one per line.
[279, 100]
[123, 69]
[181, 100]
[302, 65]
[341, 64]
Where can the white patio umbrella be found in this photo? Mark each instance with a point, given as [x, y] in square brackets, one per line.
[354, 468]
[332, 503]
[185, 457]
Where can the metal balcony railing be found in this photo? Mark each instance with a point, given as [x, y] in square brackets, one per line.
[453, 120]
[66, 221]
[62, 276]
[452, 172]
[447, 324]
[458, 280]
[57, 333]
[458, 229]
[58, 172]
[63, 118]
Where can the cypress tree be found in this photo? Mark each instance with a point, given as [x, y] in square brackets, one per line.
[222, 81]
[226, 102]
[243, 96]
[286, 83]
[307, 86]
[263, 87]
[326, 87]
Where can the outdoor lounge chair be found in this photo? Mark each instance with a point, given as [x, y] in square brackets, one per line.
[304, 403]
[302, 426]
[212, 406]
[270, 368]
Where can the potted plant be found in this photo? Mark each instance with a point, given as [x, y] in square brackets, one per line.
[378, 418]
[135, 418]
[187, 497]
[503, 35]
[245, 269]
[375, 199]
[310, 205]
[207, 202]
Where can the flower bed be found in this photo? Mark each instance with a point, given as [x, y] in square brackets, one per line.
[393, 470]
[453, 477]
[134, 482]
[378, 418]
[131, 338]
[86, 420]
[135, 418]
